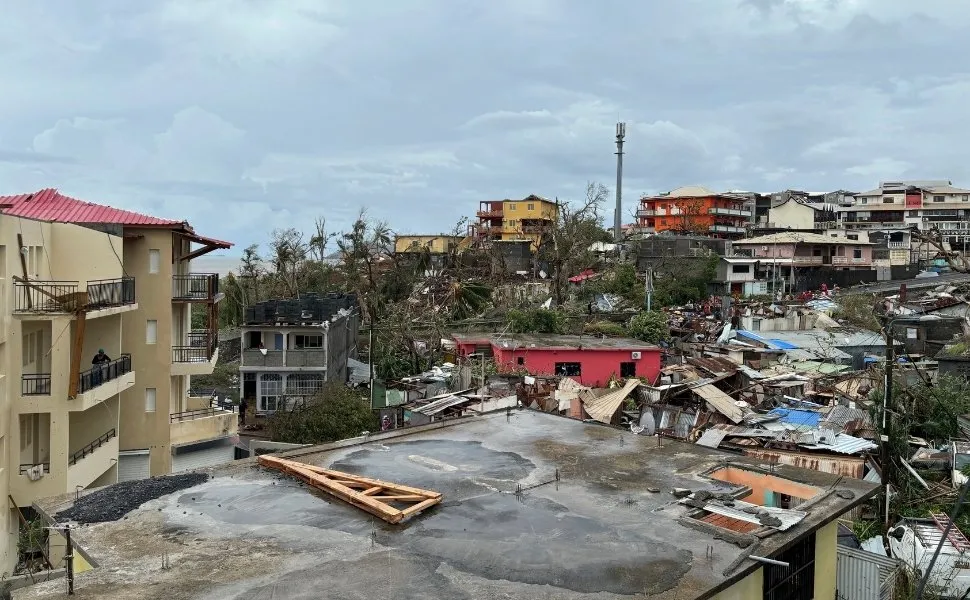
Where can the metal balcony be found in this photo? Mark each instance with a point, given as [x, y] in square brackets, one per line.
[107, 293]
[199, 347]
[35, 384]
[195, 287]
[40, 296]
[101, 374]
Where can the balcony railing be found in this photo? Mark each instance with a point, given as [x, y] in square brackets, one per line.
[35, 384]
[807, 260]
[897, 245]
[646, 212]
[847, 260]
[200, 348]
[28, 466]
[734, 212]
[105, 293]
[489, 214]
[195, 286]
[100, 374]
[90, 448]
[191, 415]
[727, 229]
[46, 296]
[294, 358]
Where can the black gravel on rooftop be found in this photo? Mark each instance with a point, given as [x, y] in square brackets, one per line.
[115, 501]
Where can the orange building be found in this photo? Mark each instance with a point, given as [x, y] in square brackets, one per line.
[694, 209]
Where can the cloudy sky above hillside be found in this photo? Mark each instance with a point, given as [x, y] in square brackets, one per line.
[246, 115]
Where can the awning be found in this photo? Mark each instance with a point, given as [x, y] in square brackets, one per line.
[208, 245]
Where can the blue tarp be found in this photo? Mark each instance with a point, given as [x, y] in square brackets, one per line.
[791, 416]
[782, 345]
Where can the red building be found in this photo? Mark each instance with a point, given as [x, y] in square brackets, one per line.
[591, 361]
[694, 210]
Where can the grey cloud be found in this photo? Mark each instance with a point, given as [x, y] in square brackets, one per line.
[246, 116]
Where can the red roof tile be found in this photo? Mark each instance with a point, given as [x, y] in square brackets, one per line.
[51, 205]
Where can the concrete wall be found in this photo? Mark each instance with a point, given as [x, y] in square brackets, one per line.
[92, 255]
[749, 588]
[792, 215]
[764, 488]
[151, 362]
[205, 428]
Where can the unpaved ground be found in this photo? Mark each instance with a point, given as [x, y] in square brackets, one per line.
[114, 502]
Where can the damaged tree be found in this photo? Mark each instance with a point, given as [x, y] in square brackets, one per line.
[934, 238]
[565, 246]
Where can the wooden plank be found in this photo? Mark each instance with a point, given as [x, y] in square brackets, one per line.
[23, 267]
[370, 495]
[407, 512]
[75, 375]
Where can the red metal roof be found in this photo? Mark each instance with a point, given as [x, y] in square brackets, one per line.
[50, 205]
[53, 206]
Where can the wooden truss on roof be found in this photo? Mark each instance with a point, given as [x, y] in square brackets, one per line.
[380, 498]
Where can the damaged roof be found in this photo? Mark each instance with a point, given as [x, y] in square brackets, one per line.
[586, 502]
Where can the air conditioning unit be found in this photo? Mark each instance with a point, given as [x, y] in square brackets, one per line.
[635, 355]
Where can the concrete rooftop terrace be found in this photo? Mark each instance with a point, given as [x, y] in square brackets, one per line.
[599, 532]
[554, 341]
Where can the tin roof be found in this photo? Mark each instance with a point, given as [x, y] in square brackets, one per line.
[50, 205]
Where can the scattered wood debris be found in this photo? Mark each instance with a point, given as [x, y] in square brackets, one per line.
[372, 495]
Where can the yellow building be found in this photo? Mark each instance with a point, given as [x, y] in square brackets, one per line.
[434, 244]
[525, 219]
[77, 279]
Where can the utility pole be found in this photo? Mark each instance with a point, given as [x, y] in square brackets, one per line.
[618, 214]
[370, 359]
[648, 286]
[886, 403]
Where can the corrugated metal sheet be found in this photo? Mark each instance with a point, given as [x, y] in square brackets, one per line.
[712, 438]
[789, 518]
[840, 415]
[720, 402]
[847, 467]
[433, 408]
[51, 205]
[863, 575]
[844, 444]
[603, 408]
[714, 365]
[674, 418]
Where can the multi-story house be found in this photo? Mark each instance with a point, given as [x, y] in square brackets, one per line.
[290, 348]
[793, 210]
[696, 210]
[157, 426]
[904, 204]
[514, 220]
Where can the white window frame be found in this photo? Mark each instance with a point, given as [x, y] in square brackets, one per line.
[151, 399]
[151, 331]
[270, 390]
[154, 260]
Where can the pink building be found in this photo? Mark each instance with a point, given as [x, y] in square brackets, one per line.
[590, 360]
[808, 250]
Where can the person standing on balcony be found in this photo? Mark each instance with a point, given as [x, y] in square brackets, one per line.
[100, 362]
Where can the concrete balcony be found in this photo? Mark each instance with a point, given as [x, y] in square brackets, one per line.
[897, 245]
[197, 356]
[201, 425]
[90, 462]
[726, 229]
[807, 260]
[731, 212]
[489, 214]
[646, 212]
[103, 382]
[297, 358]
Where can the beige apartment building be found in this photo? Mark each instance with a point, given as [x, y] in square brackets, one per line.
[78, 278]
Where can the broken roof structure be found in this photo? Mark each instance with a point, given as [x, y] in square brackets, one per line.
[536, 506]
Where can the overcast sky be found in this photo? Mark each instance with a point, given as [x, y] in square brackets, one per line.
[246, 115]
